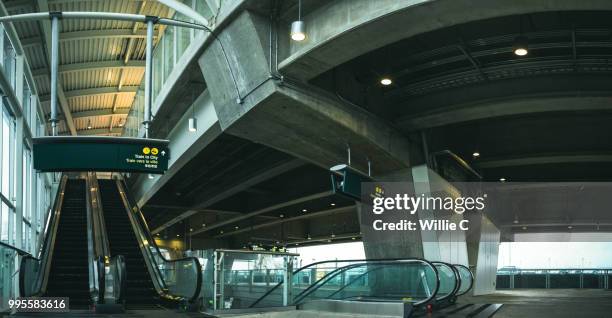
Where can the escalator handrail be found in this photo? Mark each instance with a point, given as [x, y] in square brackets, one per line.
[318, 263]
[353, 280]
[321, 282]
[457, 281]
[147, 232]
[100, 243]
[46, 249]
[471, 279]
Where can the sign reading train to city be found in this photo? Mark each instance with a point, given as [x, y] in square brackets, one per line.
[116, 154]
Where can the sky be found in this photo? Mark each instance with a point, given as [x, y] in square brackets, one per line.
[520, 254]
[340, 251]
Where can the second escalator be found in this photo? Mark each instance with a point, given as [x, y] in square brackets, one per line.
[140, 291]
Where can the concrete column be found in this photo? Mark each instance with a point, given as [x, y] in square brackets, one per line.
[483, 248]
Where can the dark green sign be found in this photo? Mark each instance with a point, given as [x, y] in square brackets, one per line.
[116, 154]
[347, 181]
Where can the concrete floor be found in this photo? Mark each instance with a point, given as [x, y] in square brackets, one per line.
[542, 303]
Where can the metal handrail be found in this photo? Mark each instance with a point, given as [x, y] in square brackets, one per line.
[142, 224]
[46, 249]
[16, 249]
[455, 157]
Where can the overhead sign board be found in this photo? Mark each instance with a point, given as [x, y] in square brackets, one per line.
[347, 181]
[116, 154]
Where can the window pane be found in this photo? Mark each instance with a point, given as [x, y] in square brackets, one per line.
[168, 41]
[6, 143]
[5, 222]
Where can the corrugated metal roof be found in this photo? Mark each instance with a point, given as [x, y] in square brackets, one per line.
[90, 41]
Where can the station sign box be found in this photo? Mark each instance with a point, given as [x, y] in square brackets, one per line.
[114, 154]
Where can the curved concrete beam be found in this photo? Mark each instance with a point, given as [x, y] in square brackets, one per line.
[342, 30]
[500, 108]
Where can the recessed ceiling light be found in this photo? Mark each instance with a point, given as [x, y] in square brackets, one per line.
[520, 46]
[332, 204]
[524, 227]
[236, 227]
[570, 227]
[386, 81]
[281, 216]
[502, 179]
[476, 154]
[304, 210]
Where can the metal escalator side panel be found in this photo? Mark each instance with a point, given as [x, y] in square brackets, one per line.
[35, 283]
[148, 247]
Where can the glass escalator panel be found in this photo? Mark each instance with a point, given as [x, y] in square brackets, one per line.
[414, 281]
[449, 281]
[467, 279]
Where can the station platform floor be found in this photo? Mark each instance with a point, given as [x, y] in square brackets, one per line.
[543, 303]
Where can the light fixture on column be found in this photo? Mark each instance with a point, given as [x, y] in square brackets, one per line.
[89, 124]
[298, 27]
[521, 46]
[193, 122]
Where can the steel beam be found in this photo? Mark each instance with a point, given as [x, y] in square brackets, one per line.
[90, 66]
[95, 91]
[265, 210]
[87, 35]
[46, 28]
[542, 159]
[241, 186]
[280, 221]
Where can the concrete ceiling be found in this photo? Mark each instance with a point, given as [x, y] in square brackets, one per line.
[542, 117]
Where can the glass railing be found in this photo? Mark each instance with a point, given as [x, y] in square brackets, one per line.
[175, 279]
[414, 281]
[592, 278]
[238, 278]
[34, 270]
[351, 279]
[449, 281]
[9, 266]
[168, 53]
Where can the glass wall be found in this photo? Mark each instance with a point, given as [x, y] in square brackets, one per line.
[25, 196]
[166, 55]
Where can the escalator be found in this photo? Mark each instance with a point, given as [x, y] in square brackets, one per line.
[151, 279]
[99, 252]
[69, 275]
[140, 291]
